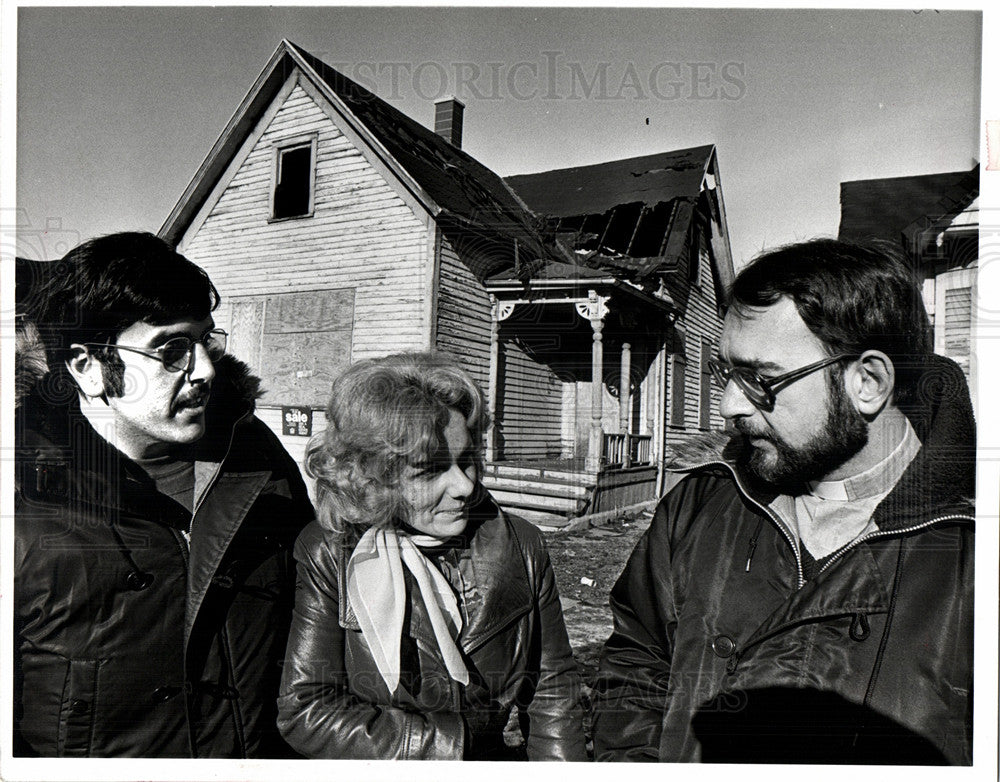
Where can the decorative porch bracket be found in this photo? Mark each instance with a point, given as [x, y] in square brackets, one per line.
[595, 309]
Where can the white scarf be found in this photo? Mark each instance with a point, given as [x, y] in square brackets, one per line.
[377, 592]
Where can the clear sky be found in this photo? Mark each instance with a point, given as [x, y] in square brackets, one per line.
[117, 107]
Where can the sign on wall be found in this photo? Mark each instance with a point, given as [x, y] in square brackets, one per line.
[296, 421]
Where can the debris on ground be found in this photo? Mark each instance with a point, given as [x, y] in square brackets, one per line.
[587, 563]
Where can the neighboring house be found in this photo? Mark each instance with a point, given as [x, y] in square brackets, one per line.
[585, 301]
[934, 218]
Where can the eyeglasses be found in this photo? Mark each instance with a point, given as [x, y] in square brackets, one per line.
[177, 354]
[760, 390]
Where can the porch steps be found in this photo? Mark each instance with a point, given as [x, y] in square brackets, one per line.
[546, 497]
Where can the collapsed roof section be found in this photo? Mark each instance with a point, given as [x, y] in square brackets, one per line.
[628, 217]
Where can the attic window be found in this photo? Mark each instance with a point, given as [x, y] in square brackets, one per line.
[294, 178]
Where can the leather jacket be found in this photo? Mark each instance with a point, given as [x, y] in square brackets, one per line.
[334, 703]
[128, 640]
[723, 651]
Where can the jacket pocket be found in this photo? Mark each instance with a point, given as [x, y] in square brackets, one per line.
[77, 710]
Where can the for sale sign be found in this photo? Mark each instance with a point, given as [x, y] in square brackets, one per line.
[297, 421]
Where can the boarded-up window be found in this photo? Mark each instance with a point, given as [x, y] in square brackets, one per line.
[705, 387]
[293, 181]
[297, 342]
[677, 367]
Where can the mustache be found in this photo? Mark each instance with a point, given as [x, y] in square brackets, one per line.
[194, 398]
[746, 429]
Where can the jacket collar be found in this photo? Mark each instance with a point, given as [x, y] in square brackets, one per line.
[497, 590]
[55, 442]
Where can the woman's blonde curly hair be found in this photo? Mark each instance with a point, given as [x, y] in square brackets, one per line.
[384, 414]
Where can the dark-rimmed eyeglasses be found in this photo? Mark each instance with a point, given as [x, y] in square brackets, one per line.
[177, 354]
[761, 390]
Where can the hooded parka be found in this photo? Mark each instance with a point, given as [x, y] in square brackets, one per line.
[723, 650]
[130, 641]
[335, 704]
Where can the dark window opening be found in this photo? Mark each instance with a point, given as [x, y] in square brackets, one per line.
[651, 234]
[292, 193]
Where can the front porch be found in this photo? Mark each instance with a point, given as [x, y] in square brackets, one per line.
[551, 492]
[576, 393]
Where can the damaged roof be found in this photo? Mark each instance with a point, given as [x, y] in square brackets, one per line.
[893, 208]
[457, 182]
[627, 217]
[592, 189]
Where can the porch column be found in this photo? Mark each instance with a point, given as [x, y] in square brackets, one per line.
[624, 397]
[594, 310]
[499, 311]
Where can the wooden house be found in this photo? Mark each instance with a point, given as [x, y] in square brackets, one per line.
[585, 302]
[934, 219]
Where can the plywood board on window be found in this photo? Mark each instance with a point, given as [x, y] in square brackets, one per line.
[299, 368]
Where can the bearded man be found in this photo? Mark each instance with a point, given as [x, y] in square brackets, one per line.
[809, 596]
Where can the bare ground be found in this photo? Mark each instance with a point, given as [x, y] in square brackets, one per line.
[587, 564]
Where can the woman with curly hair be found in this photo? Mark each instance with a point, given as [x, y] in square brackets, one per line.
[423, 612]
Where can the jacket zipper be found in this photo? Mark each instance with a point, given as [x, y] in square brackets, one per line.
[836, 555]
[767, 512]
[734, 660]
[199, 501]
[888, 533]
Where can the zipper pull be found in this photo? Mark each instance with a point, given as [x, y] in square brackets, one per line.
[752, 547]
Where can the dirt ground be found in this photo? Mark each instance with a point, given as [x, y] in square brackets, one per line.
[587, 564]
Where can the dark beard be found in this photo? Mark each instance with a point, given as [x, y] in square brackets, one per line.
[844, 433]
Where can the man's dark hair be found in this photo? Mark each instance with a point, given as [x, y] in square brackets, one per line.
[853, 297]
[105, 285]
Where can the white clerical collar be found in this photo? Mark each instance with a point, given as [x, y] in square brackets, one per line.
[876, 480]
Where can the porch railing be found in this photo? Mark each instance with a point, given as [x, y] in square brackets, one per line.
[626, 450]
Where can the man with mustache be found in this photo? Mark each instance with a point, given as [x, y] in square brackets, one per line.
[808, 596]
[155, 516]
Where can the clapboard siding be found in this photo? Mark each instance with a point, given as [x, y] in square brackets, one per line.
[531, 421]
[463, 315]
[361, 237]
[700, 320]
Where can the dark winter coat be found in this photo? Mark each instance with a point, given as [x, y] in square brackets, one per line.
[723, 652]
[126, 642]
[334, 703]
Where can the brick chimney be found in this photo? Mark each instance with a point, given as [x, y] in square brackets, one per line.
[448, 113]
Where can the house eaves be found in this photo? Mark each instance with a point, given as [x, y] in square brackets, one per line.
[553, 289]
